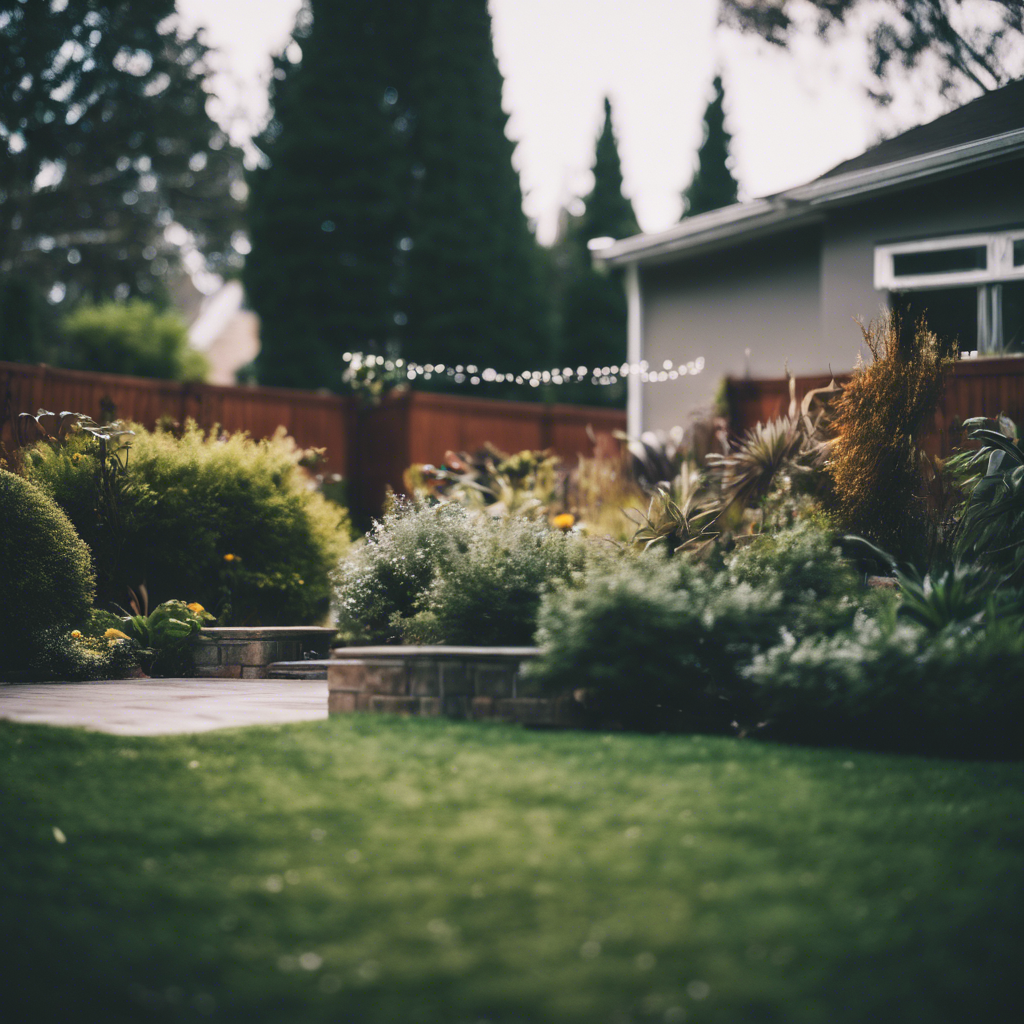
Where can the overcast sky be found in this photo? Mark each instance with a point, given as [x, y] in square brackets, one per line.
[792, 115]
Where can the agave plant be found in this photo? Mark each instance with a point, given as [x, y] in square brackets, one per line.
[657, 456]
[949, 594]
[793, 444]
[991, 529]
[679, 523]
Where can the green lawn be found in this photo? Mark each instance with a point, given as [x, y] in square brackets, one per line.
[377, 870]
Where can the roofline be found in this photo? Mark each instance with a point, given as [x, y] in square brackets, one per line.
[805, 202]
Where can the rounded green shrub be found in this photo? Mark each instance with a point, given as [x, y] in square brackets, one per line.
[223, 520]
[445, 574]
[132, 337]
[889, 682]
[490, 595]
[661, 643]
[75, 656]
[45, 568]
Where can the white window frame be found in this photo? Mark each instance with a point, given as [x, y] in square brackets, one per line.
[999, 262]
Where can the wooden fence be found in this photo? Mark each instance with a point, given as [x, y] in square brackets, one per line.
[371, 447]
[977, 387]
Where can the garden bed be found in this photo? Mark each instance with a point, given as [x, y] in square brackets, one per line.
[480, 683]
[246, 652]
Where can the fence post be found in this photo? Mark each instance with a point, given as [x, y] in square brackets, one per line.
[547, 428]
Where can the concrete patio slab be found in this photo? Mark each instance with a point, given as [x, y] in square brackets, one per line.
[155, 707]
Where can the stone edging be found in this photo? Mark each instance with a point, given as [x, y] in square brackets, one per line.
[479, 683]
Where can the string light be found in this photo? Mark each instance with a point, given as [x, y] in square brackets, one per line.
[361, 364]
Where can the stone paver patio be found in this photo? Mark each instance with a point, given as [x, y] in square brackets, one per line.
[152, 707]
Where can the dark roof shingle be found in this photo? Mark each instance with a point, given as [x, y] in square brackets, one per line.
[991, 114]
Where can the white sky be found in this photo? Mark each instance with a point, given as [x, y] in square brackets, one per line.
[792, 115]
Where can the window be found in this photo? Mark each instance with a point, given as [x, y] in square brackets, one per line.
[970, 287]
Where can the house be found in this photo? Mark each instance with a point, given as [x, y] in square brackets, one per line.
[931, 221]
[225, 332]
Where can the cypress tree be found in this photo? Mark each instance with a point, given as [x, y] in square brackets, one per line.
[473, 290]
[324, 207]
[592, 302]
[712, 185]
[388, 216]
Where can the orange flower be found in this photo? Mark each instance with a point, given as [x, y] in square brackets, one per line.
[195, 608]
[230, 558]
[565, 521]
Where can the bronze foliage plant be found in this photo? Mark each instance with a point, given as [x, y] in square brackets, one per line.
[876, 463]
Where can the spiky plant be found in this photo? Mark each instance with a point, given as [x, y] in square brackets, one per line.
[790, 445]
[681, 524]
[879, 419]
[991, 530]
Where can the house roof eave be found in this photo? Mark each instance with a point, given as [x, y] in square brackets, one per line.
[805, 203]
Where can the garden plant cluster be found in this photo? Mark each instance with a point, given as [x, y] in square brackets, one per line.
[692, 584]
[121, 543]
[740, 602]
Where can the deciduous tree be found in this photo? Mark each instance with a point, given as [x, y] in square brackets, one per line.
[980, 44]
[105, 143]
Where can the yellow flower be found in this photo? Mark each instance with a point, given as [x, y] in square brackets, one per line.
[77, 634]
[76, 458]
[195, 608]
[565, 521]
[229, 558]
[115, 634]
[302, 583]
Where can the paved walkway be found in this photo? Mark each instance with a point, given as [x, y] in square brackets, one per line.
[152, 707]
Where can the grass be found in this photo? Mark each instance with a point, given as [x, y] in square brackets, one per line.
[423, 872]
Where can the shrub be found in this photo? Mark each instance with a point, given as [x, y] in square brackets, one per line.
[74, 656]
[45, 567]
[134, 338]
[379, 582]
[443, 574]
[885, 681]
[803, 562]
[491, 592]
[879, 417]
[657, 642]
[626, 639]
[228, 522]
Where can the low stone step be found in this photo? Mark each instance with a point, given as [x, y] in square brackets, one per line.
[311, 669]
[247, 652]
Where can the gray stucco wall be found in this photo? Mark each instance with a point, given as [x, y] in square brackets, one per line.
[763, 297]
[985, 200]
[793, 298]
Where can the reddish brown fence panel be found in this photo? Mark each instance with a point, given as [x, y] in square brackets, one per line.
[422, 427]
[312, 419]
[372, 447]
[977, 387]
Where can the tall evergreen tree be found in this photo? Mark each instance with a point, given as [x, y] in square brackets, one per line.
[592, 303]
[324, 207]
[104, 142]
[712, 185]
[608, 212]
[473, 288]
[389, 216]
